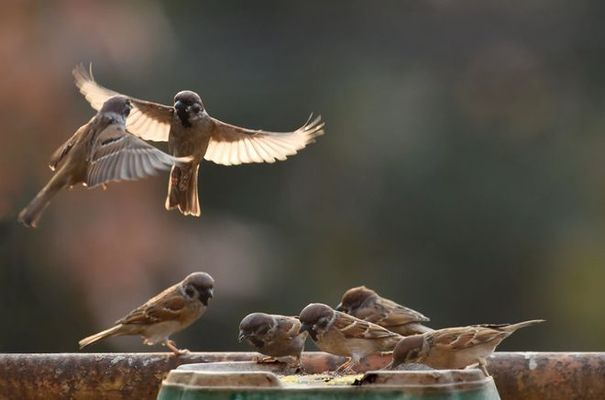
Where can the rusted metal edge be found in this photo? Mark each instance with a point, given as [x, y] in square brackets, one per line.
[518, 376]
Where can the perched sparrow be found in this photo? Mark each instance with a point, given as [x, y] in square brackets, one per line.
[454, 348]
[190, 131]
[169, 312]
[273, 335]
[99, 152]
[344, 335]
[366, 304]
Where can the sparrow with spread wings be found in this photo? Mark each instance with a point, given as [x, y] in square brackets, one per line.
[99, 152]
[190, 131]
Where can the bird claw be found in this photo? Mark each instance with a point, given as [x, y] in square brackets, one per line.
[177, 352]
[266, 360]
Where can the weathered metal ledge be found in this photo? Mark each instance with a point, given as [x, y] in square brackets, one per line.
[518, 376]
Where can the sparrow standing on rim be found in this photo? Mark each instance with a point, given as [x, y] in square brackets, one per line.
[167, 313]
[190, 131]
[273, 335]
[99, 152]
[454, 348]
[344, 335]
[366, 304]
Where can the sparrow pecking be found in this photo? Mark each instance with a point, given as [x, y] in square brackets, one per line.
[273, 335]
[338, 333]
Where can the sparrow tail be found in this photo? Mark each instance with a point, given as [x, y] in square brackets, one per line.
[30, 215]
[514, 327]
[182, 189]
[114, 331]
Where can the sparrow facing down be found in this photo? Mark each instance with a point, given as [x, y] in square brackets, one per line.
[165, 314]
[338, 333]
[190, 131]
[273, 335]
[366, 304]
[454, 348]
[99, 152]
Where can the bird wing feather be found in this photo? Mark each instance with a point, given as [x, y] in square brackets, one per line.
[147, 120]
[233, 145]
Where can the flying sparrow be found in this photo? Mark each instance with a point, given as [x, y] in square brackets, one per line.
[190, 131]
[366, 304]
[454, 348]
[99, 152]
[165, 314]
[338, 333]
[273, 335]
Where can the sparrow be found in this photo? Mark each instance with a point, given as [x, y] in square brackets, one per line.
[190, 131]
[165, 314]
[454, 348]
[99, 152]
[273, 335]
[342, 334]
[366, 304]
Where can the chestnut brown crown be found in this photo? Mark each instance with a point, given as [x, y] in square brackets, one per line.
[199, 285]
[354, 298]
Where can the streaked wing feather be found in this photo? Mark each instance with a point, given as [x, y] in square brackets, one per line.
[352, 327]
[233, 145]
[147, 120]
[119, 155]
[388, 313]
[163, 307]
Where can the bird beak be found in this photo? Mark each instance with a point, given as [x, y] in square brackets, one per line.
[179, 105]
[340, 308]
[304, 327]
[241, 336]
[210, 293]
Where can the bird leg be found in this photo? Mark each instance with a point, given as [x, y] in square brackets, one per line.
[172, 346]
[266, 360]
[481, 365]
[346, 366]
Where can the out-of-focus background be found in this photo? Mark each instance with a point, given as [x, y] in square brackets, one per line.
[462, 173]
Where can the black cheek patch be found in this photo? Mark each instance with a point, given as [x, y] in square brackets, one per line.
[184, 117]
[257, 342]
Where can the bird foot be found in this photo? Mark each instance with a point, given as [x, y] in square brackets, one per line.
[346, 367]
[177, 352]
[266, 360]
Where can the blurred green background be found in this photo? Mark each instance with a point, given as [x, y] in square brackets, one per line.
[462, 173]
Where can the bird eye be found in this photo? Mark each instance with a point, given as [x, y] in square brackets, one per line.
[195, 108]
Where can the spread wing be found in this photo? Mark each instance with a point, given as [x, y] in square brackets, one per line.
[147, 120]
[464, 337]
[388, 313]
[119, 155]
[232, 145]
[166, 306]
[352, 327]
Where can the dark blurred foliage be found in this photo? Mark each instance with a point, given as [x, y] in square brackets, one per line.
[462, 173]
